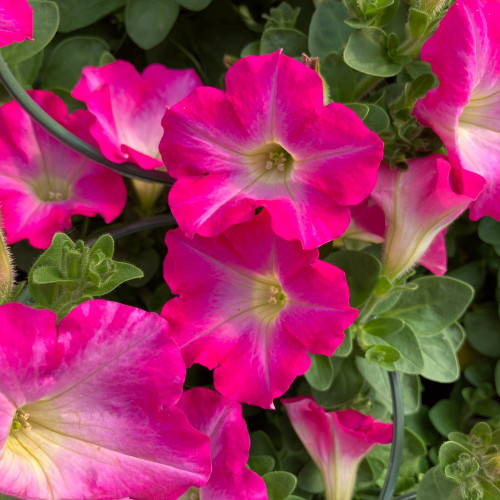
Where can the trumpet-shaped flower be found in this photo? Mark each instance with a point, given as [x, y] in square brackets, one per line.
[43, 182]
[251, 304]
[337, 441]
[419, 203]
[268, 141]
[16, 21]
[128, 107]
[465, 109]
[221, 420]
[87, 406]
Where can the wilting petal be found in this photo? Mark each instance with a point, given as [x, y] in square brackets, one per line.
[129, 106]
[251, 304]
[221, 420]
[337, 441]
[418, 204]
[464, 110]
[16, 21]
[43, 183]
[93, 403]
[268, 141]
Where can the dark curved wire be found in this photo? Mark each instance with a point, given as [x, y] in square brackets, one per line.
[71, 140]
[397, 438]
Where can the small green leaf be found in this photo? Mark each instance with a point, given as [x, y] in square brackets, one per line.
[261, 444]
[320, 373]
[76, 14]
[418, 21]
[362, 271]
[340, 78]
[293, 42]
[68, 58]
[309, 479]
[445, 416]
[105, 244]
[345, 348]
[383, 326]
[279, 484]
[479, 373]
[124, 272]
[261, 464]
[149, 23]
[483, 331]
[45, 23]
[489, 230]
[194, 4]
[45, 275]
[383, 355]
[328, 31]
[366, 52]
[435, 304]
[360, 109]
[377, 119]
[436, 486]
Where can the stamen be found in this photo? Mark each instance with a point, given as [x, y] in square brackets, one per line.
[21, 421]
[274, 290]
[272, 300]
[269, 165]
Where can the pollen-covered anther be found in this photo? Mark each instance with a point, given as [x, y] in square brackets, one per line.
[21, 421]
[277, 296]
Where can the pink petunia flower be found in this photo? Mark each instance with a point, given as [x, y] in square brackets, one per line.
[221, 420]
[337, 441]
[419, 203]
[43, 183]
[86, 406]
[268, 141]
[128, 107]
[251, 304]
[16, 21]
[465, 109]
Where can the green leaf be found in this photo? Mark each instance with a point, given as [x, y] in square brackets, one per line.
[489, 230]
[328, 31]
[45, 275]
[194, 4]
[377, 119]
[435, 304]
[406, 343]
[261, 444]
[45, 23]
[261, 464]
[483, 331]
[124, 272]
[347, 382]
[149, 23]
[383, 355]
[340, 78]
[479, 373]
[362, 271]
[497, 377]
[279, 484]
[309, 478]
[366, 52]
[360, 109]
[27, 71]
[345, 348]
[445, 416]
[418, 21]
[68, 58]
[383, 326]
[105, 244]
[320, 373]
[436, 486]
[293, 42]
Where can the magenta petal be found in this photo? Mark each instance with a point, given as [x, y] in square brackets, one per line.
[221, 420]
[99, 393]
[251, 304]
[129, 107]
[16, 21]
[464, 110]
[268, 141]
[44, 183]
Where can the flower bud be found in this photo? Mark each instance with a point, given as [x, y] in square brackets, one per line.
[6, 269]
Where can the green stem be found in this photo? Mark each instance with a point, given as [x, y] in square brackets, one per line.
[397, 438]
[66, 137]
[365, 85]
[367, 310]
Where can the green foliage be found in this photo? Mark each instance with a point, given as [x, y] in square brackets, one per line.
[69, 273]
[320, 373]
[483, 331]
[279, 484]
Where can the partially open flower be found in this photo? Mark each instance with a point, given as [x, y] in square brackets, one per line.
[43, 183]
[16, 21]
[337, 441]
[221, 420]
[128, 107]
[87, 406]
[268, 141]
[251, 305]
[6, 268]
[464, 110]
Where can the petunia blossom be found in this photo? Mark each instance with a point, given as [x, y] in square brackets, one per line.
[43, 183]
[251, 305]
[87, 406]
[128, 107]
[16, 21]
[464, 110]
[337, 441]
[221, 419]
[419, 203]
[268, 141]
